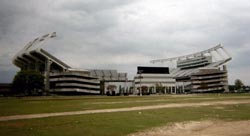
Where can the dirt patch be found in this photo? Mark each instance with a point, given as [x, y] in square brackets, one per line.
[200, 128]
[219, 107]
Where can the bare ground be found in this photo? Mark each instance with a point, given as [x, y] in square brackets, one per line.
[200, 128]
[139, 108]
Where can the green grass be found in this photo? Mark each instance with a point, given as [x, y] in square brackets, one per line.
[31, 105]
[112, 124]
[120, 123]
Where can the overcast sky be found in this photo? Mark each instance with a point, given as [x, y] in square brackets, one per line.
[122, 34]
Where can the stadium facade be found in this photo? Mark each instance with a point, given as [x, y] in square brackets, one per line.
[203, 71]
[152, 80]
[60, 77]
[200, 72]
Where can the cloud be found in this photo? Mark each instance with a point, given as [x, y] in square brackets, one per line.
[121, 34]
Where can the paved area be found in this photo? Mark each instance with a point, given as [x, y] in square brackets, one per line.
[44, 115]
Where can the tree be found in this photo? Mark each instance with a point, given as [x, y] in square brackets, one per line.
[28, 82]
[238, 84]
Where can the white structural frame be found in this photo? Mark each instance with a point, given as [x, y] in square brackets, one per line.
[35, 46]
[210, 51]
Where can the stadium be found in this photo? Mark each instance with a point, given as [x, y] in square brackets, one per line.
[199, 72]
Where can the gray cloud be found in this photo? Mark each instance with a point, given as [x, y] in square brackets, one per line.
[121, 34]
[91, 6]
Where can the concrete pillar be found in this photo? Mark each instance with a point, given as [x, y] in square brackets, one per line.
[175, 89]
[47, 72]
[155, 89]
[165, 90]
[183, 88]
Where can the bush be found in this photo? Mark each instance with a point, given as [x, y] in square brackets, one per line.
[28, 83]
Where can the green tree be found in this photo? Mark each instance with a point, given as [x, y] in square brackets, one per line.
[28, 82]
[238, 84]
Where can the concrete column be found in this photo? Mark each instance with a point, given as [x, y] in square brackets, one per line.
[154, 89]
[183, 87]
[175, 89]
[171, 89]
[47, 71]
[165, 90]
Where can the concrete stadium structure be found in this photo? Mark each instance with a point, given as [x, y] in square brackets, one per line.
[209, 80]
[60, 77]
[108, 75]
[203, 71]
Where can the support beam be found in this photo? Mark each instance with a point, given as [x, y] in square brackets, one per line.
[186, 56]
[226, 52]
[213, 56]
[219, 54]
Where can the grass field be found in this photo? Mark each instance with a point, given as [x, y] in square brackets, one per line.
[112, 124]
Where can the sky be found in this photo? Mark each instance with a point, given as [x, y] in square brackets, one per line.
[124, 34]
